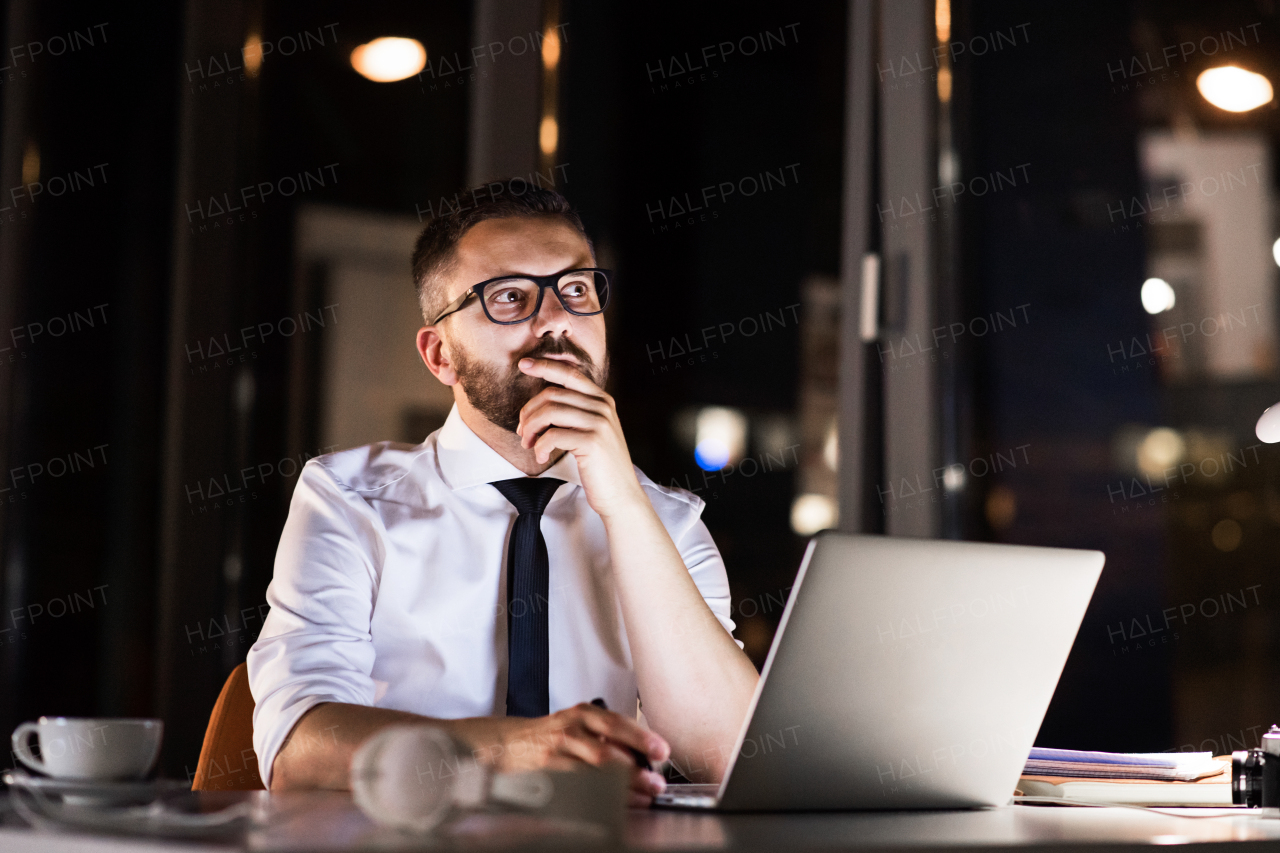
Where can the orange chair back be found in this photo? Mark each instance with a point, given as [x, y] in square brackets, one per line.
[227, 760]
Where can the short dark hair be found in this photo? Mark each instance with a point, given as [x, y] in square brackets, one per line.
[434, 251]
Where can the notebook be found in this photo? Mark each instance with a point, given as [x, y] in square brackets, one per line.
[1210, 790]
[1155, 766]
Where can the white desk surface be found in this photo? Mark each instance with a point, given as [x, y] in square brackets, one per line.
[330, 821]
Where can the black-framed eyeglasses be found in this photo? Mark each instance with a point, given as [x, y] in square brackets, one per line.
[516, 298]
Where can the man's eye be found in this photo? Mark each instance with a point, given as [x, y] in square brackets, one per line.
[572, 290]
[509, 295]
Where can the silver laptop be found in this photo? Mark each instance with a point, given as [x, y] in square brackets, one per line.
[905, 674]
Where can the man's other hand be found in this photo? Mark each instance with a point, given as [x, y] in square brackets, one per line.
[568, 739]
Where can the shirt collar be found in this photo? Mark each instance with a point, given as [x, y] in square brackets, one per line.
[466, 461]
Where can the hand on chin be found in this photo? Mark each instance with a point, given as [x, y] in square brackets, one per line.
[575, 414]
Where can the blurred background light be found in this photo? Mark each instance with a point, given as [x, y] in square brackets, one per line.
[1161, 449]
[953, 478]
[31, 162]
[1227, 534]
[773, 432]
[831, 448]
[811, 513]
[1275, 251]
[550, 48]
[1001, 507]
[711, 454]
[252, 54]
[720, 437]
[1157, 295]
[549, 135]
[388, 59]
[1234, 89]
[942, 26]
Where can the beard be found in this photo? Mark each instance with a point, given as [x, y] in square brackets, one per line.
[499, 394]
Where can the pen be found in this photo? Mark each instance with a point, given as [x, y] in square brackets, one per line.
[642, 761]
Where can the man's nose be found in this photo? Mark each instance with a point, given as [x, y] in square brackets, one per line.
[551, 316]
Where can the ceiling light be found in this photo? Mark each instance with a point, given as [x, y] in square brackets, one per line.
[1234, 89]
[388, 59]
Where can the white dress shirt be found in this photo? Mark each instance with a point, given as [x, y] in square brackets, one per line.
[390, 587]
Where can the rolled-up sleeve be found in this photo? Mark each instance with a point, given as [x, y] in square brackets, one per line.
[699, 552]
[315, 644]
[702, 558]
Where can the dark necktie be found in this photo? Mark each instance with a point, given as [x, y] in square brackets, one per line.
[528, 583]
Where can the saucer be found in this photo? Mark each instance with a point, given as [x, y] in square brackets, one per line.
[159, 807]
[93, 792]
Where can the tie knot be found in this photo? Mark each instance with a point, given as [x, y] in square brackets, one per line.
[529, 494]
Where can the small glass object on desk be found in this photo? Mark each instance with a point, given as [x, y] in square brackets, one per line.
[413, 777]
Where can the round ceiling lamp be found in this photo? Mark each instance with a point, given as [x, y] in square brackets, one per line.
[388, 59]
[1234, 89]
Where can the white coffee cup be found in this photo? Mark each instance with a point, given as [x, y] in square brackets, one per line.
[90, 748]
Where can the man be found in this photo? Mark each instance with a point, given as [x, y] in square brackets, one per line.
[501, 575]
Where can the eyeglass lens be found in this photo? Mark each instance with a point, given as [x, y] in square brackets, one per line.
[512, 299]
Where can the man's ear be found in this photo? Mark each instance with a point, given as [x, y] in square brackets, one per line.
[431, 349]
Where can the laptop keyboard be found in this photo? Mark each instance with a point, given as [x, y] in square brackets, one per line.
[688, 796]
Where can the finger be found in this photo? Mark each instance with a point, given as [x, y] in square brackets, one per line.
[620, 729]
[558, 394]
[625, 731]
[557, 438]
[556, 761]
[561, 373]
[561, 415]
[645, 785]
[590, 749]
[647, 782]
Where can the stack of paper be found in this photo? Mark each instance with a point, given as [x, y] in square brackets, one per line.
[1156, 766]
[1163, 778]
